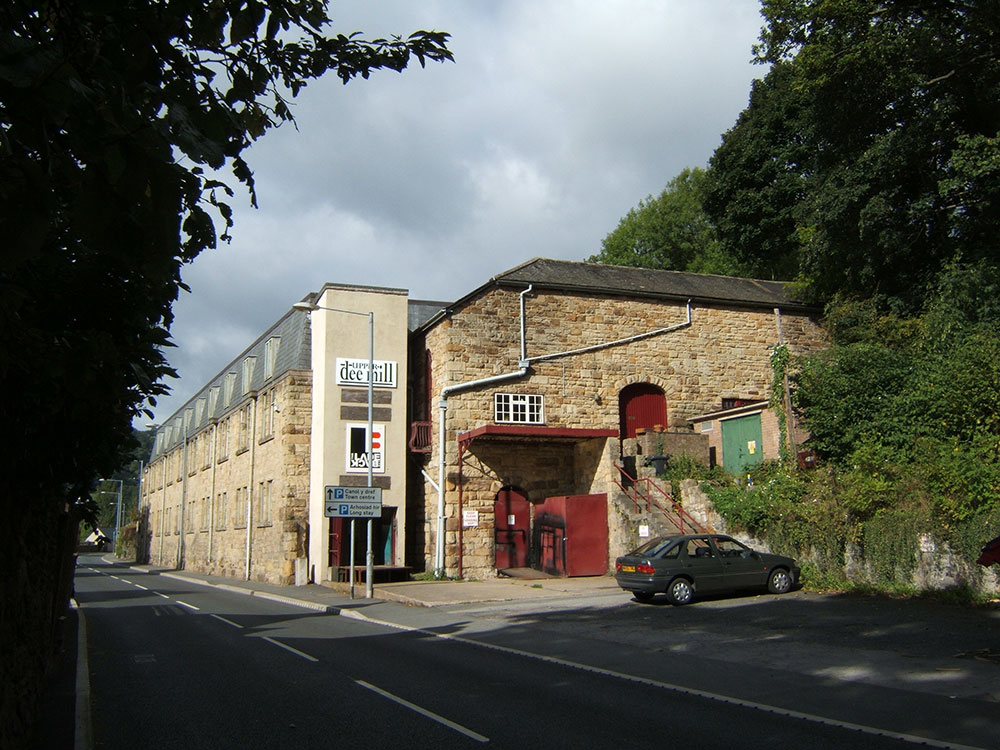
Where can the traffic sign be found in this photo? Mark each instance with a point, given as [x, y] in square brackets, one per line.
[353, 502]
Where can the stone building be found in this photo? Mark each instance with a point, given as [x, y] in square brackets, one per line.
[504, 424]
[236, 481]
[529, 392]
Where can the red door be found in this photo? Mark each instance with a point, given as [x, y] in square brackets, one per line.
[338, 551]
[511, 511]
[572, 535]
[641, 406]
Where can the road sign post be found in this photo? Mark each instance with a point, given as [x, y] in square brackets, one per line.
[353, 503]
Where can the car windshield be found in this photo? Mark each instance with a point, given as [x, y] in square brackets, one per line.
[655, 547]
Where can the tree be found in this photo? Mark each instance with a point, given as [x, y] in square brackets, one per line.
[115, 115]
[757, 178]
[870, 149]
[669, 232]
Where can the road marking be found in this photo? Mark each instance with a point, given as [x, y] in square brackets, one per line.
[159, 594]
[289, 648]
[83, 734]
[189, 606]
[140, 586]
[424, 712]
[228, 622]
[730, 700]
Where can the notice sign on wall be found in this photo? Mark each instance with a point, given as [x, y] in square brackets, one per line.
[470, 518]
[357, 448]
[355, 372]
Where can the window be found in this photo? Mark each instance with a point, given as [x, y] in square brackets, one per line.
[243, 438]
[240, 521]
[220, 511]
[518, 408]
[199, 410]
[267, 409]
[213, 400]
[264, 503]
[206, 450]
[271, 356]
[204, 514]
[223, 429]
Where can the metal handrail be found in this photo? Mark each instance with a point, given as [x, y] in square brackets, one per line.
[677, 514]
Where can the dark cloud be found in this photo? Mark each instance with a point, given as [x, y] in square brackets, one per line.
[555, 119]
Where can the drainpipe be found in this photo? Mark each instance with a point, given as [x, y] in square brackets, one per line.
[211, 499]
[442, 431]
[616, 342]
[249, 493]
[163, 505]
[184, 479]
[786, 394]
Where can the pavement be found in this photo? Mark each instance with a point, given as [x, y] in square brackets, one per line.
[417, 604]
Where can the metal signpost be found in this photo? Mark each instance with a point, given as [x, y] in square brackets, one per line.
[355, 502]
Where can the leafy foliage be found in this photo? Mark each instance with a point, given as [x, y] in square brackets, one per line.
[114, 118]
[668, 232]
[868, 158]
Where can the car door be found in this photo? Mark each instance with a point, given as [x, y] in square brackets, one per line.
[702, 563]
[741, 566]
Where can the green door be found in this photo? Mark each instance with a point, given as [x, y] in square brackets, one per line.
[741, 444]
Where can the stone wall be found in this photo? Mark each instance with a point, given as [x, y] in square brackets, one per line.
[724, 353]
[935, 566]
[269, 477]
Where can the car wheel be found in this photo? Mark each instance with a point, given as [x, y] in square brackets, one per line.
[680, 592]
[779, 582]
[643, 596]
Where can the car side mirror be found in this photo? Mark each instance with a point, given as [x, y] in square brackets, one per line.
[748, 553]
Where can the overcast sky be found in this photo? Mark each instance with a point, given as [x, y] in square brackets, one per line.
[555, 119]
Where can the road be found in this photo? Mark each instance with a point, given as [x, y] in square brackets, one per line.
[177, 665]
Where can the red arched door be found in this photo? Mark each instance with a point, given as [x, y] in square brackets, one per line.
[641, 406]
[512, 523]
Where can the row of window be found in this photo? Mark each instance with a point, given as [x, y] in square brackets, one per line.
[262, 511]
[230, 433]
[194, 415]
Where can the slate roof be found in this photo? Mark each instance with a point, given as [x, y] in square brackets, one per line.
[628, 281]
[293, 354]
[643, 282]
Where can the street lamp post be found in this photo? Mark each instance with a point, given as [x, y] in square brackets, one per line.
[369, 554]
[118, 508]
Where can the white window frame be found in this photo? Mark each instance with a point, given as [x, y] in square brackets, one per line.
[518, 408]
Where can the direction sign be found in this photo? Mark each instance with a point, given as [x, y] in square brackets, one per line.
[353, 502]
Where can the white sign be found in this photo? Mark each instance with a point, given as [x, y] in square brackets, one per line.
[353, 502]
[356, 460]
[643, 531]
[355, 372]
[470, 518]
